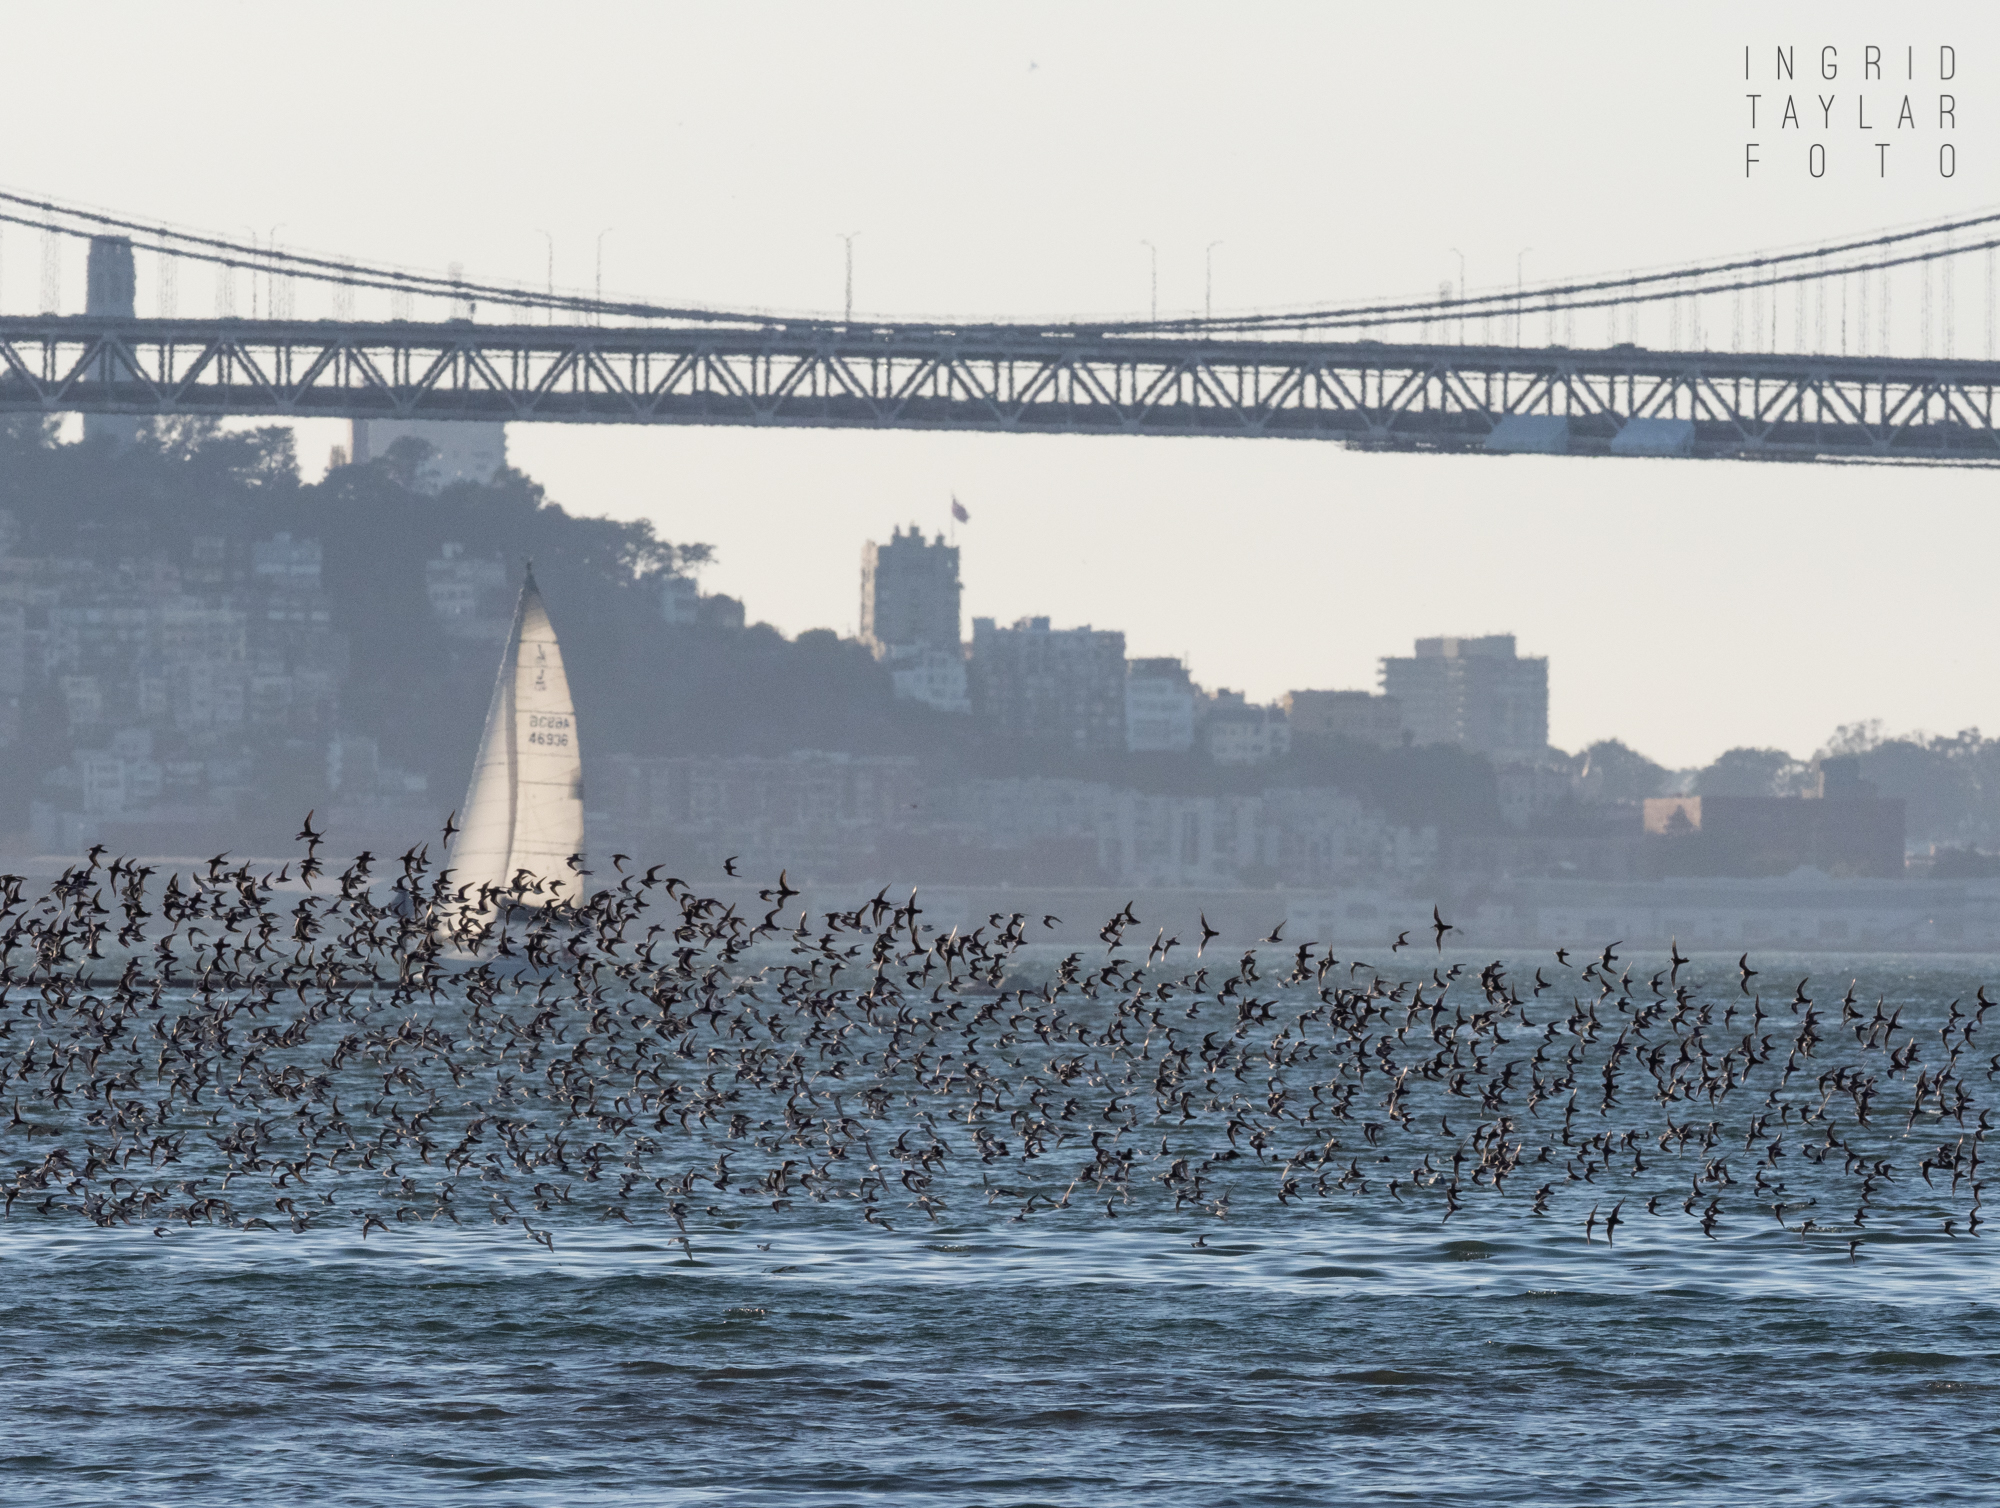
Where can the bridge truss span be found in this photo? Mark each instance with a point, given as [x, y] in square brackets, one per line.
[1019, 379]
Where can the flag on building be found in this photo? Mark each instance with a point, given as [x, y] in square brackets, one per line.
[958, 510]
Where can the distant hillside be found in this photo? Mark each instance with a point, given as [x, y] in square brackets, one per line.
[160, 509]
[196, 645]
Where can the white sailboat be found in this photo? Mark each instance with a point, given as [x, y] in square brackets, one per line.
[524, 807]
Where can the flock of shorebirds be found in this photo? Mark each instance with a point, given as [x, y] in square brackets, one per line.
[218, 1046]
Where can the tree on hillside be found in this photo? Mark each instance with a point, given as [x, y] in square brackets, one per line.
[1751, 772]
[1608, 771]
[1949, 784]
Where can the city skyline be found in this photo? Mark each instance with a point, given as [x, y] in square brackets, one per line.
[1699, 606]
[1714, 701]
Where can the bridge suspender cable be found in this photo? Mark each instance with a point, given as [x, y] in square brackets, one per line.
[1513, 301]
[191, 247]
[1538, 301]
[1773, 269]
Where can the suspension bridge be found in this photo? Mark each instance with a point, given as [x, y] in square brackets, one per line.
[1849, 381]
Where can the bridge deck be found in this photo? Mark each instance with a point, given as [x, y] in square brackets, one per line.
[1008, 379]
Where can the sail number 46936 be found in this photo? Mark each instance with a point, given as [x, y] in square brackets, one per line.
[548, 730]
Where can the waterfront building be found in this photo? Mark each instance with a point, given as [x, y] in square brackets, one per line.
[1060, 686]
[1359, 715]
[1160, 699]
[468, 595]
[1842, 827]
[1235, 732]
[1473, 691]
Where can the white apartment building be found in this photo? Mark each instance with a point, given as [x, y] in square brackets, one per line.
[1160, 700]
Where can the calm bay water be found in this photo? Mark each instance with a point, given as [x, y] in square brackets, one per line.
[1352, 1350]
[1350, 1362]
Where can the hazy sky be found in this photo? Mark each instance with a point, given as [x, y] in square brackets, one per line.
[1010, 160]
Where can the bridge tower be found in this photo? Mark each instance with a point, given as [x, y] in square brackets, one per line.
[110, 291]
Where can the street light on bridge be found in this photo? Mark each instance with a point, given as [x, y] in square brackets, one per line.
[847, 315]
[271, 279]
[1208, 281]
[252, 271]
[597, 315]
[1156, 279]
[551, 310]
[1518, 258]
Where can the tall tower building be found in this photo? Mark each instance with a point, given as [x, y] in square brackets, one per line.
[909, 593]
[909, 617]
[1475, 692]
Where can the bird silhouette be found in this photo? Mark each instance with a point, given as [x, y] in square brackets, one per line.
[1440, 926]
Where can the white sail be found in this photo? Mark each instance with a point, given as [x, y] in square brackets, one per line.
[524, 807]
